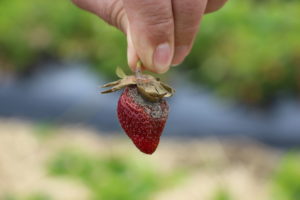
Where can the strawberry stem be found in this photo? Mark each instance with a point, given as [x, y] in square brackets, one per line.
[138, 70]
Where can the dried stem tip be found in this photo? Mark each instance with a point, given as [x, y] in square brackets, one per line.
[149, 87]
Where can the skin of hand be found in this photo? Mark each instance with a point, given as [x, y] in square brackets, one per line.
[160, 33]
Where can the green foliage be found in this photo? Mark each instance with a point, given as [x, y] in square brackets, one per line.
[35, 196]
[30, 30]
[38, 196]
[44, 130]
[249, 51]
[222, 194]
[286, 181]
[110, 178]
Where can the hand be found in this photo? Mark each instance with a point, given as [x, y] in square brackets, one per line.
[159, 32]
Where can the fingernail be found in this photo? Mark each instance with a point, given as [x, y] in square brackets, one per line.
[180, 54]
[162, 57]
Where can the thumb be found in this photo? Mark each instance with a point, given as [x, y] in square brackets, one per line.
[150, 33]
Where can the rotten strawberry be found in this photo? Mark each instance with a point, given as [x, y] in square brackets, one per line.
[142, 109]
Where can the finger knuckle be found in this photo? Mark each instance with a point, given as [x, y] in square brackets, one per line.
[117, 14]
[113, 13]
[156, 15]
[160, 21]
[159, 26]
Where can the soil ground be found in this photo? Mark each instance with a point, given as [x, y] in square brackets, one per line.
[242, 167]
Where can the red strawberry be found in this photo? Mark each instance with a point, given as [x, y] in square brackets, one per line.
[142, 109]
[142, 120]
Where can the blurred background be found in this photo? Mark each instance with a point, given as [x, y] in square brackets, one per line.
[233, 131]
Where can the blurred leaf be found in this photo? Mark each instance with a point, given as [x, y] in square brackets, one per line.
[110, 178]
[34, 196]
[286, 181]
[44, 130]
[39, 196]
[120, 73]
[222, 194]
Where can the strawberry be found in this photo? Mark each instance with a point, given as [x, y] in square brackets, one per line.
[142, 109]
[142, 120]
